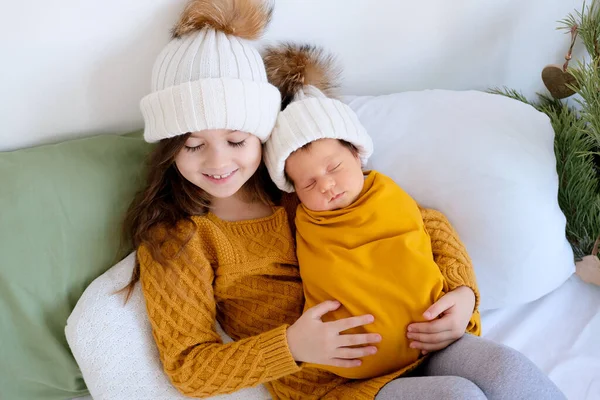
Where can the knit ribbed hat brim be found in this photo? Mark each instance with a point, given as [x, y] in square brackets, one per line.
[307, 120]
[217, 103]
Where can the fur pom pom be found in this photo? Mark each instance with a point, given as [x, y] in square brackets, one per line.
[290, 66]
[246, 19]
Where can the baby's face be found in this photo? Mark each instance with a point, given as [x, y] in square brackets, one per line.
[326, 175]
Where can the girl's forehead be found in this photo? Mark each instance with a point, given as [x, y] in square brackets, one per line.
[208, 133]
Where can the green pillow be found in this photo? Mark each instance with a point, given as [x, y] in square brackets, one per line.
[61, 211]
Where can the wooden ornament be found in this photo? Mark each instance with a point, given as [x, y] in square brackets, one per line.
[588, 268]
[557, 81]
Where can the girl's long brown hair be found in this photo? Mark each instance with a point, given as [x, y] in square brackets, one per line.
[169, 199]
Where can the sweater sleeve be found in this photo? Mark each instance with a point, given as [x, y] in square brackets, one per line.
[182, 311]
[451, 256]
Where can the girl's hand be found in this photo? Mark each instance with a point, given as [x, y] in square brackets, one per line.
[314, 341]
[455, 310]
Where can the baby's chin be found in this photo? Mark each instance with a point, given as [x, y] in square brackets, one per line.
[323, 207]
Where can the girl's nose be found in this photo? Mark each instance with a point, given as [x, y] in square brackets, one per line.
[215, 158]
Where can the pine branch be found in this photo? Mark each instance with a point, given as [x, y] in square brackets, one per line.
[587, 22]
[569, 23]
[579, 186]
[545, 104]
[590, 29]
[511, 93]
[579, 183]
[577, 135]
[587, 75]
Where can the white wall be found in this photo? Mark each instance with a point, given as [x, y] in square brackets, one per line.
[71, 67]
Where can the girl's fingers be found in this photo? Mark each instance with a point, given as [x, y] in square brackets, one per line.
[431, 337]
[431, 346]
[444, 303]
[339, 362]
[323, 308]
[358, 339]
[438, 325]
[352, 322]
[355, 352]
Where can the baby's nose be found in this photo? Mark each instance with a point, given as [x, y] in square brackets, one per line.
[327, 185]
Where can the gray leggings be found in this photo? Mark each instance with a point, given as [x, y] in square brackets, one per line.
[474, 368]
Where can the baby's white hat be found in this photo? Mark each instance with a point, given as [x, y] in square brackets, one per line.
[305, 75]
[210, 76]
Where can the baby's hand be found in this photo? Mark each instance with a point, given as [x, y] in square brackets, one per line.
[314, 341]
[456, 309]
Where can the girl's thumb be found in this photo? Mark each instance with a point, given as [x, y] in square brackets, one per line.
[438, 307]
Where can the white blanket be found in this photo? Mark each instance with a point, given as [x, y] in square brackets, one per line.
[560, 333]
[119, 360]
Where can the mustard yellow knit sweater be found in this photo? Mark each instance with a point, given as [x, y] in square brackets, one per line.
[245, 275]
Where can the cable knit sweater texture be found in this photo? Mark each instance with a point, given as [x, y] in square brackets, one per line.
[245, 275]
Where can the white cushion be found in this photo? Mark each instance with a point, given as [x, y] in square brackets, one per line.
[488, 163]
[112, 343]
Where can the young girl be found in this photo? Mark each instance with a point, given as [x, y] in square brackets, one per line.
[214, 243]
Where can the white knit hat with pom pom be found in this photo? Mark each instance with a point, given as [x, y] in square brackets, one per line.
[210, 76]
[305, 75]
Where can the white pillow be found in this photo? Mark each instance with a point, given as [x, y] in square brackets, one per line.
[114, 347]
[488, 163]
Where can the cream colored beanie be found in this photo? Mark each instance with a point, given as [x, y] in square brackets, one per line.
[304, 75]
[210, 76]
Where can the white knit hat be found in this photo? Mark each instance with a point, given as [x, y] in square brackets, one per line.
[210, 76]
[310, 116]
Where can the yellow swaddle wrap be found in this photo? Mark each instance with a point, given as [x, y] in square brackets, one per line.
[375, 257]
